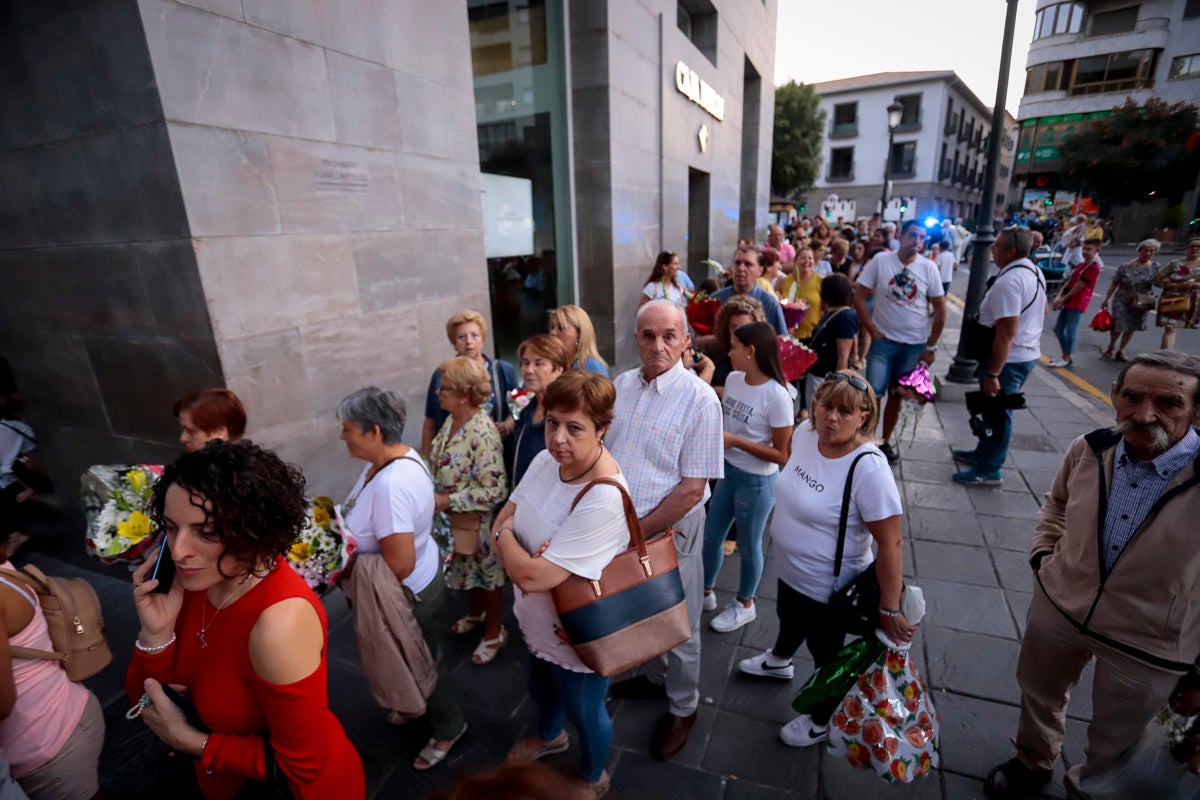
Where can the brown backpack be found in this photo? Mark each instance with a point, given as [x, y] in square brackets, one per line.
[74, 619]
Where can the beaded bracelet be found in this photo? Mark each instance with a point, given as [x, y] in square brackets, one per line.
[891, 612]
[137, 643]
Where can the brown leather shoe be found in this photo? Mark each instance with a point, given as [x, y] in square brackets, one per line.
[1013, 780]
[673, 735]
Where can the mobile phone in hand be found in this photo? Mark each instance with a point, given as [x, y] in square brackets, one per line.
[164, 569]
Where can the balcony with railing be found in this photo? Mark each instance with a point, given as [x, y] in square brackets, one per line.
[844, 130]
[951, 125]
[946, 173]
[912, 122]
[904, 171]
[840, 177]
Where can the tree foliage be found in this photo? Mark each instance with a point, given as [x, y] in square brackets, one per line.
[1135, 151]
[799, 129]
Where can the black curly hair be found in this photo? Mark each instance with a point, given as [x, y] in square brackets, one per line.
[254, 501]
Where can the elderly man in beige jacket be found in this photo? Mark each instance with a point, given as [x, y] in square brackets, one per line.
[1117, 565]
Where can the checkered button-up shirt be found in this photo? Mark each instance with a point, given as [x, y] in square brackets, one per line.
[663, 431]
[1136, 486]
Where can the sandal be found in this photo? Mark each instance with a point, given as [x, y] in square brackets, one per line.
[467, 624]
[532, 748]
[486, 651]
[1106, 354]
[433, 756]
[1121, 356]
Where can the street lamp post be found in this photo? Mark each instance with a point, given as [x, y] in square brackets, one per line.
[963, 369]
[895, 113]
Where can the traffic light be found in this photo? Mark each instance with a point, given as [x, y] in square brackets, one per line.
[903, 206]
[803, 207]
[1049, 201]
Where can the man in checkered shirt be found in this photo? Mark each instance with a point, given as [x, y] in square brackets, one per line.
[1116, 559]
[667, 437]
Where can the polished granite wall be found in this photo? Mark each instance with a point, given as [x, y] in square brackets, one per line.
[281, 196]
[636, 137]
[102, 315]
[328, 164]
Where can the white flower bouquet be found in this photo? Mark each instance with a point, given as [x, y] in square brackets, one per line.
[323, 548]
[116, 500]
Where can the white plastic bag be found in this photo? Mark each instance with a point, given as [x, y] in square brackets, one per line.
[1149, 769]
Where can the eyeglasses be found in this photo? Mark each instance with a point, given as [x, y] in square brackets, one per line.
[855, 381]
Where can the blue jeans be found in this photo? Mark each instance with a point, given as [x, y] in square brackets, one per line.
[887, 361]
[578, 696]
[1067, 329]
[991, 451]
[748, 499]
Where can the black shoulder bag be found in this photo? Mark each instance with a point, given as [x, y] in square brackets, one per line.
[979, 338]
[856, 605]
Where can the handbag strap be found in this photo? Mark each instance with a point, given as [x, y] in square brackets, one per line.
[821, 325]
[845, 516]
[23, 434]
[636, 537]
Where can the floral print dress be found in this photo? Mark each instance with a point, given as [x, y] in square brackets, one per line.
[1132, 279]
[1175, 280]
[469, 467]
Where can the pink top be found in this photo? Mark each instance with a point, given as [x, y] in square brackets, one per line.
[49, 704]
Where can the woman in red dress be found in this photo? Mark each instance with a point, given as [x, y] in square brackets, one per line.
[239, 634]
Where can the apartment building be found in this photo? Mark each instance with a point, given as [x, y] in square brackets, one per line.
[938, 150]
[1088, 57]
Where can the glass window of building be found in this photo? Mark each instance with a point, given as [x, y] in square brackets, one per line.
[1114, 72]
[904, 160]
[520, 113]
[1185, 66]
[841, 164]
[1058, 19]
[911, 117]
[698, 21]
[1121, 20]
[845, 119]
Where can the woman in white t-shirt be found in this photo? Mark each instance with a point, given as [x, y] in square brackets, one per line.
[542, 541]
[757, 416]
[390, 513]
[805, 532]
[663, 283]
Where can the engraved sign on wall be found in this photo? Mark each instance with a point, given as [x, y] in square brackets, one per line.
[341, 176]
[698, 91]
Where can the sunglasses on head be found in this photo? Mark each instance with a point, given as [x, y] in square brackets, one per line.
[855, 381]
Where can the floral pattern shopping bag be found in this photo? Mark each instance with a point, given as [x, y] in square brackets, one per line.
[887, 722]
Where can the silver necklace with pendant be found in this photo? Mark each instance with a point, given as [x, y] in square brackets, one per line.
[205, 625]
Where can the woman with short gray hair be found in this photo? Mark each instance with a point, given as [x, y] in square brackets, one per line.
[390, 514]
[1132, 296]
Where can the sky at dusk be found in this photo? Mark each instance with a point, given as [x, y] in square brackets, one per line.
[822, 41]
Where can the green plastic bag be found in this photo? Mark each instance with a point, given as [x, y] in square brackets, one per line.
[828, 685]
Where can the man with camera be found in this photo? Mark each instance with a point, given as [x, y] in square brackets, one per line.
[1014, 308]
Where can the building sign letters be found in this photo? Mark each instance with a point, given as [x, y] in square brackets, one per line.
[698, 91]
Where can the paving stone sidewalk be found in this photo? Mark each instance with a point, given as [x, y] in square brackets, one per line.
[967, 548]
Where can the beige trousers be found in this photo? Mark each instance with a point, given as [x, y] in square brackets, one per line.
[1126, 692]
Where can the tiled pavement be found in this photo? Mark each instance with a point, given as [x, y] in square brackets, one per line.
[965, 547]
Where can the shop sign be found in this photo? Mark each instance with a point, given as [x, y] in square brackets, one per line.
[698, 91]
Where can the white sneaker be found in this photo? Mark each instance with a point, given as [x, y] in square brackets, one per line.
[760, 665]
[1058, 363]
[710, 601]
[801, 732]
[733, 617]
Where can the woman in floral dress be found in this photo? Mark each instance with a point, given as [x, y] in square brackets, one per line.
[467, 460]
[1179, 306]
[1136, 277]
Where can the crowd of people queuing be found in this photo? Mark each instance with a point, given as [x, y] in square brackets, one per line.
[229, 665]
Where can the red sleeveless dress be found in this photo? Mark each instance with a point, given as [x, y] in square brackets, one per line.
[311, 748]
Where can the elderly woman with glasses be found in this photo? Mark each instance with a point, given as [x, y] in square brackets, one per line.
[1130, 297]
[805, 532]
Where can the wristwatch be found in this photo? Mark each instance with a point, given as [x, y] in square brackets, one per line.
[995, 377]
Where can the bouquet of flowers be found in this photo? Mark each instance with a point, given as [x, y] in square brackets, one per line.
[702, 314]
[323, 548]
[115, 499]
[916, 389]
[716, 266]
[795, 357]
[518, 400]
